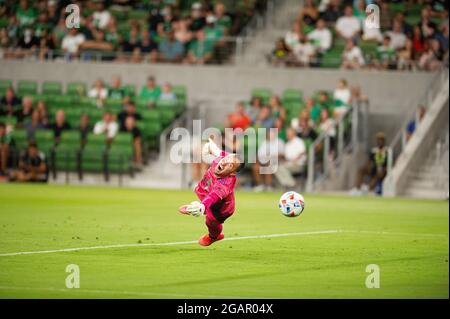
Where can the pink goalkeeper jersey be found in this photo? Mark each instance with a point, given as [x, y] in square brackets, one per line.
[222, 187]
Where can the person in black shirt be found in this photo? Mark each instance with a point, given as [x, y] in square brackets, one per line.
[130, 127]
[129, 110]
[32, 166]
[9, 103]
[25, 113]
[60, 125]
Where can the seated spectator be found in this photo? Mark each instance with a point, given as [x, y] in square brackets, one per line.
[295, 153]
[269, 152]
[238, 119]
[129, 110]
[25, 112]
[313, 110]
[101, 16]
[32, 166]
[327, 126]
[97, 46]
[151, 91]
[292, 37]
[308, 14]
[276, 108]
[84, 128]
[386, 55]
[432, 57]
[281, 54]
[167, 94]
[254, 108]
[411, 127]
[264, 119]
[398, 38]
[5, 140]
[33, 125]
[130, 127]
[27, 43]
[324, 101]
[148, 47]
[305, 129]
[71, 43]
[60, 125]
[26, 15]
[9, 103]
[116, 90]
[200, 50]
[348, 26]
[170, 49]
[198, 20]
[132, 42]
[321, 36]
[304, 52]
[352, 57]
[418, 41]
[213, 32]
[375, 168]
[106, 126]
[342, 92]
[223, 20]
[330, 10]
[43, 113]
[98, 92]
[182, 32]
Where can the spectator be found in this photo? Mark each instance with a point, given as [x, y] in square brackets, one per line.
[43, 113]
[431, 59]
[386, 55]
[313, 110]
[321, 36]
[148, 47]
[171, 50]
[304, 52]
[269, 152]
[330, 11]
[167, 94]
[26, 14]
[182, 32]
[151, 91]
[308, 14]
[9, 103]
[129, 110]
[27, 43]
[97, 46]
[281, 53]
[213, 32]
[342, 92]
[198, 17]
[98, 92]
[398, 38]
[295, 155]
[276, 108]
[25, 112]
[200, 50]
[223, 20]
[101, 16]
[327, 126]
[116, 91]
[348, 26]
[106, 126]
[323, 101]
[84, 128]
[238, 119]
[411, 127]
[352, 57]
[130, 127]
[375, 168]
[32, 166]
[32, 126]
[305, 129]
[60, 125]
[71, 43]
[292, 38]
[405, 56]
[255, 107]
[418, 41]
[5, 140]
[264, 119]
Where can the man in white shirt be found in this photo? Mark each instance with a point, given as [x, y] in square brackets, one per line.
[72, 41]
[294, 152]
[304, 52]
[269, 152]
[321, 36]
[101, 16]
[398, 38]
[348, 26]
[107, 126]
[352, 57]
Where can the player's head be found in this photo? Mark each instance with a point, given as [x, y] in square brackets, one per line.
[227, 166]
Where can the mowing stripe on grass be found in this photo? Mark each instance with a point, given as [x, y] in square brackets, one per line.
[165, 244]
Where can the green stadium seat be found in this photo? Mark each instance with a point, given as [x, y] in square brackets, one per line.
[76, 88]
[264, 94]
[87, 102]
[150, 115]
[49, 87]
[92, 157]
[123, 139]
[94, 140]
[167, 116]
[113, 105]
[292, 95]
[164, 104]
[11, 120]
[95, 115]
[25, 87]
[130, 90]
[20, 139]
[44, 139]
[137, 15]
[180, 92]
[4, 85]
[66, 155]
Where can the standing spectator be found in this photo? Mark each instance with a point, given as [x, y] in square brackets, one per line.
[375, 168]
[321, 36]
[305, 129]
[171, 50]
[9, 103]
[352, 57]
[32, 126]
[106, 126]
[313, 110]
[101, 16]
[418, 41]
[433, 56]
[5, 140]
[167, 94]
[327, 126]
[116, 91]
[151, 91]
[182, 32]
[59, 125]
[71, 43]
[130, 127]
[348, 26]
[405, 56]
[238, 119]
[269, 152]
[26, 15]
[25, 112]
[32, 166]
[99, 92]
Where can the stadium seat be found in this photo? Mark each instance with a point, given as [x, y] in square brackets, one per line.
[76, 88]
[44, 140]
[20, 138]
[123, 139]
[4, 84]
[167, 116]
[292, 95]
[264, 94]
[11, 120]
[150, 115]
[130, 90]
[94, 140]
[113, 105]
[51, 88]
[92, 157]
[25, 87]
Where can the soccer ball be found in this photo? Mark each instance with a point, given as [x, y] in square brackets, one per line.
[291, 204]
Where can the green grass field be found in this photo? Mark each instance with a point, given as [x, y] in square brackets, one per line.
[407, 239]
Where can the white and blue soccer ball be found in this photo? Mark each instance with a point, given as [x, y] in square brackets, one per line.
[291, 204]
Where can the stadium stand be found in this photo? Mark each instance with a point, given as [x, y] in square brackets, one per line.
[332, 34]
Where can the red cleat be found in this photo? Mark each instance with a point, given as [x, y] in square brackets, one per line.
[206, 240]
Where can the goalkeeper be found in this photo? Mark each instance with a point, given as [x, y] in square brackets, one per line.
[215, 191]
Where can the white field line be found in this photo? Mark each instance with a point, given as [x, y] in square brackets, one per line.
[121, 292]
[165, 244]
[393, 233]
